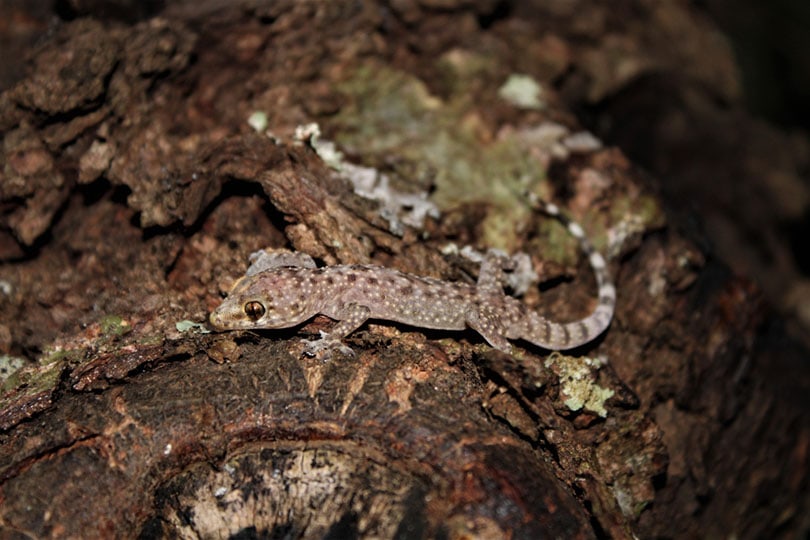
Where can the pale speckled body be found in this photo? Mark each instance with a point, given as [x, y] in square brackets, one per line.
[284, 296]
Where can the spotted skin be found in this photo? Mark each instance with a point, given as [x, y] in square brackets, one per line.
[285, 296]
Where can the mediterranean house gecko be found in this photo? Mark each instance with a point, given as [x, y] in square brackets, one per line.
[294, 289]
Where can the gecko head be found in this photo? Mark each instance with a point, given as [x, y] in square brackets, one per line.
[269, 299]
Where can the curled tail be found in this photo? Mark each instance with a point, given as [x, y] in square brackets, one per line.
[559, 336]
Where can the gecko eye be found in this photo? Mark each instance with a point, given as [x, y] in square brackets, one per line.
[254, 310]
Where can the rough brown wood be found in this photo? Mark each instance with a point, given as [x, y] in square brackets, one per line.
[133, 190]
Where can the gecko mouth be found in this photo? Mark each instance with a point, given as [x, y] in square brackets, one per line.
[216, 321]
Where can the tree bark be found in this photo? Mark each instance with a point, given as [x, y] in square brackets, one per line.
[134, 189]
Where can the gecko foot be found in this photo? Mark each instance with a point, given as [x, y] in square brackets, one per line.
[325, 346]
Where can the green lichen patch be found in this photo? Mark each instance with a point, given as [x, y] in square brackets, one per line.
[30, 381]
[392, 113]
[578, 383]
[555, 243]
[9, 364]
[440, 139]
[114, 325]
[59, 354]
[29, 388]
[629, 218]
[191, 326]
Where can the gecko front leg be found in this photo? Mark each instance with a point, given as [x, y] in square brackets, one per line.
[350, 317]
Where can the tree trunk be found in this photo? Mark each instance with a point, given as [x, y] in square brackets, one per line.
[149, 150]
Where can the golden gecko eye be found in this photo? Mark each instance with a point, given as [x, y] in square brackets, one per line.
[254, 310]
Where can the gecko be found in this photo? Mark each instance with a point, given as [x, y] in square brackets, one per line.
[294, 290]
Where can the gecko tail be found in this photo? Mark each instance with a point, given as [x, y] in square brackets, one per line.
[561, 336]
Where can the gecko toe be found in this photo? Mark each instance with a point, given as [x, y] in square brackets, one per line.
[324, 348]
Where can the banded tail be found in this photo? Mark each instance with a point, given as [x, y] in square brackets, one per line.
[560, 336]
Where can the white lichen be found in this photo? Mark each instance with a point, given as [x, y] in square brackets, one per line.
[5, 287]
[582, 142]
[628, 227]
[258, 121]
[326, 150]
[9, 365]
[578, 382]
[398, 208]
[522, 91]
[557, 140]
[191, 326]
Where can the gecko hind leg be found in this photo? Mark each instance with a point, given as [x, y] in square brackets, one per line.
[489, 327]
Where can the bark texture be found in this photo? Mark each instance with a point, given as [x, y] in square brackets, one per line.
[133, 188]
